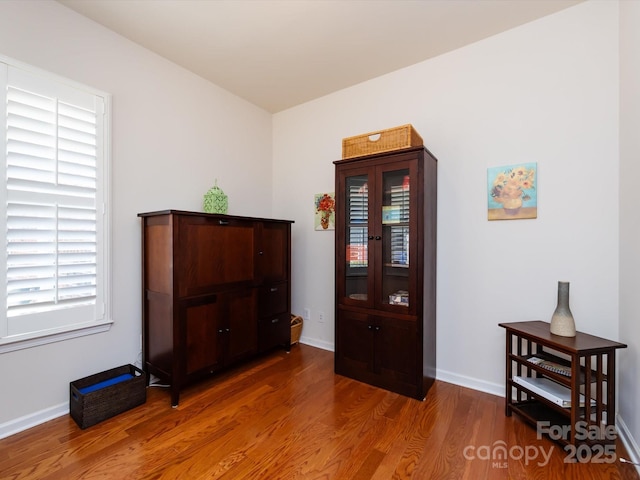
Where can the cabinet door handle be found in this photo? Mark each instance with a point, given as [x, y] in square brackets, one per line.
[223, 222]
[378, 237]
[370, 327]
[370, 237]
[275, 320]
[220, 330]
[260, 253]
[377, 328]
[274, 289]
[227, 330]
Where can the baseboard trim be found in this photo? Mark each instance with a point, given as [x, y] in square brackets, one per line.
[24, 423]
[469, 382]
[312, 342]
[629, 442]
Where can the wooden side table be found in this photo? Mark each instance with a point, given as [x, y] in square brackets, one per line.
[585, 364]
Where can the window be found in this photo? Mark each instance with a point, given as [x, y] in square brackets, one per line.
[54, 209]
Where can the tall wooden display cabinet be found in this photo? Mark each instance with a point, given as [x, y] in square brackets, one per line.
[386, 270]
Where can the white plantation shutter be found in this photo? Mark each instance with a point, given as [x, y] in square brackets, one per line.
[400, 197]
[54, 205]
[358, 204]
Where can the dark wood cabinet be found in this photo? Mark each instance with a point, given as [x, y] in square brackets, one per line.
[216, 290]
[386, 270]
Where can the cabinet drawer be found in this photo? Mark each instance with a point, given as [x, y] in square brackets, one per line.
[274, 330]
[273, 299]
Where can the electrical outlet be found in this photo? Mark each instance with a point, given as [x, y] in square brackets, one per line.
[306, 314]
[320, 317]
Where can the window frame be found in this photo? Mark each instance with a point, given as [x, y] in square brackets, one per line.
[103, 319]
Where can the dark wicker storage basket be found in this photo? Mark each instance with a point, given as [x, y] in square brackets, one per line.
[92, 407]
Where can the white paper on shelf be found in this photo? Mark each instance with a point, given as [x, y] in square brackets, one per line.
[552, 391]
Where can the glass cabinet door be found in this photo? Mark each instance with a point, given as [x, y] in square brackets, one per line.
[356, 212]
[396, 216]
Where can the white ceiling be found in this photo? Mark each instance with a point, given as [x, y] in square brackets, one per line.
[281, 53]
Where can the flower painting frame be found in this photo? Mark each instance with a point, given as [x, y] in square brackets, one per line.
[512, 192]
[325, 211]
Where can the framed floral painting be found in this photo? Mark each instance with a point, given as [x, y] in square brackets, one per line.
[512, 192]
[325, 211]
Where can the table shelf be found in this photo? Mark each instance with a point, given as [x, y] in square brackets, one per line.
[591, 362]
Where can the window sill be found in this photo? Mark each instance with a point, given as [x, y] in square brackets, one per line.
[11, 344]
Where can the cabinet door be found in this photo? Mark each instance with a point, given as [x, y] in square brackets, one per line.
[241, 326]
[214, 252]
[396, 353]
[201, 321]
[378, 350]
[354, 345]
[396, 217]
[354, 236]
[377, 249]
[219, 329]
[273, 251]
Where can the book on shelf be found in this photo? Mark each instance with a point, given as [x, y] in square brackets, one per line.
[357, 255]
[554, 367]
[391, 214]
[552, 391]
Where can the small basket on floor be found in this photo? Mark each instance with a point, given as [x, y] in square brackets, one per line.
[296, 328]
[97, 397]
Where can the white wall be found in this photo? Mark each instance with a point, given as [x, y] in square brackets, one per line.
[629, 364]
[546, 92]
[173, 134]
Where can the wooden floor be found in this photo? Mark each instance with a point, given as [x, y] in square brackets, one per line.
[288, 416]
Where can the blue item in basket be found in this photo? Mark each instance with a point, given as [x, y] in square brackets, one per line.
[106, 383]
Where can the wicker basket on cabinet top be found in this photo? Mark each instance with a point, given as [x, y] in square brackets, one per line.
[396, 138]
